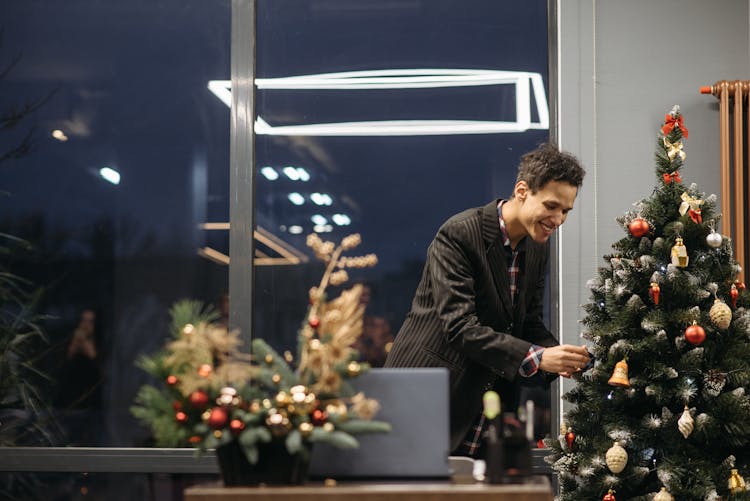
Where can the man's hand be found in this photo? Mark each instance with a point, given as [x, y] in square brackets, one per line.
[565, 359]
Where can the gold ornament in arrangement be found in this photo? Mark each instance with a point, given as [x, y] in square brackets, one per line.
[616, 458]
[674, 149]
[620, 374]
[691, 206]
[721, 314]
[679, 254]
[663, 495]
[685, 424]
[736, 483]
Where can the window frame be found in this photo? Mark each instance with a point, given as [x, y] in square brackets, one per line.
[241, 271]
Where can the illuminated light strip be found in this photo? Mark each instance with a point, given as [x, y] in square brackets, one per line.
[525, 83]
[289, 254]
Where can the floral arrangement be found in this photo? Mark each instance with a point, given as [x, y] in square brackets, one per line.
[213, 394]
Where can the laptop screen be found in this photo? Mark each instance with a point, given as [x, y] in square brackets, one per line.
[415, 403]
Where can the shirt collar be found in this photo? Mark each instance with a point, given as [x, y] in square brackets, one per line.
[504, 231]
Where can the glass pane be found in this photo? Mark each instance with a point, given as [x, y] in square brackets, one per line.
[119, 153]
[384, 119]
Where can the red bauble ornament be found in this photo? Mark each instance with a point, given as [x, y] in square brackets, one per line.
[695, 334]
[171, 380]
[198, 399]
[314, 322]
[177, 405]
[610, 496]
[734, 293]
[204, 370]
[181, 417]
[570, 439]
[319, 417]
[218, 418]
[639, 227]
[236, 426]
[195, 439]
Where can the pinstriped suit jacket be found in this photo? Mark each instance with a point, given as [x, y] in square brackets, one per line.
[462, 316]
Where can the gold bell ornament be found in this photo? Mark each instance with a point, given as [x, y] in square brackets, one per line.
[679, 254]
[721, 314]
[620, 374]
[736, 482]
[616, 458]
[663, 495]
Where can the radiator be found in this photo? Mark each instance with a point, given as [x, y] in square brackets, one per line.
[733, 119]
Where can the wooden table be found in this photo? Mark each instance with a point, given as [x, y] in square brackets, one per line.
[536, 489]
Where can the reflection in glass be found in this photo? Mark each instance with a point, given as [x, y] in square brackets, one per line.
[402, 113]
[124, 155]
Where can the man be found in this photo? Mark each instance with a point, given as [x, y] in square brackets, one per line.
[478, 307]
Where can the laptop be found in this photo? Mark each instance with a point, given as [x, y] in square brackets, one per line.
[415, 403]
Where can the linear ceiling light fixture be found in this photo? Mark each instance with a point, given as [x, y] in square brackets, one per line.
[527, 84]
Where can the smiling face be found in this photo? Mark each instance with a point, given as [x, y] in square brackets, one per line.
[541, 212]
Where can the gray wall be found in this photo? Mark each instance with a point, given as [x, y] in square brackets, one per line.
[622, 65]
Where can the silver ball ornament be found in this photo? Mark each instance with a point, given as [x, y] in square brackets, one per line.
[714, 239]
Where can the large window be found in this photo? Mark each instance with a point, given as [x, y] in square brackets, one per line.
[375, 117]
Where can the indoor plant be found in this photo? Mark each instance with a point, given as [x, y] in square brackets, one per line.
[264, 410]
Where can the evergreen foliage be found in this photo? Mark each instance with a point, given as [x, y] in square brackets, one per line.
[668, 375]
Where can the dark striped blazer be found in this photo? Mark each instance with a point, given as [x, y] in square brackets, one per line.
[462, 316]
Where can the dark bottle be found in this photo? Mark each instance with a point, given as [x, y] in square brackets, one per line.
[494, 449]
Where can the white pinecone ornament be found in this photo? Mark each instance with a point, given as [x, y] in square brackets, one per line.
[616, 458]
[714, 382]
[721, 314]
[685, 423]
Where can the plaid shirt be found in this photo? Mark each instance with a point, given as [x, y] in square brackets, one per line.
[472, 444]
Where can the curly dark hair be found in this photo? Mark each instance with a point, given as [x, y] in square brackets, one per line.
[547, 163]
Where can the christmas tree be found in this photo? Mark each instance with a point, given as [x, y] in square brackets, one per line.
[664, 413]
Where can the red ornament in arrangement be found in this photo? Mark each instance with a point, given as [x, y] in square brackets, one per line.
[181, 417]
[654, 292]
[198, 399]
[218, 418]
[695, 334]
[171, 380]
[177, 405]
[734, 293]
[639, 227]
[236, 426]
[672, 177]
[204, 370]
[314, 322]
[319, 417]
[610, 496]
[695, 215]
[570, 439]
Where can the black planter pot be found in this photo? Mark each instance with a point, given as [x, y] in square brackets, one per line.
[275, 465]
